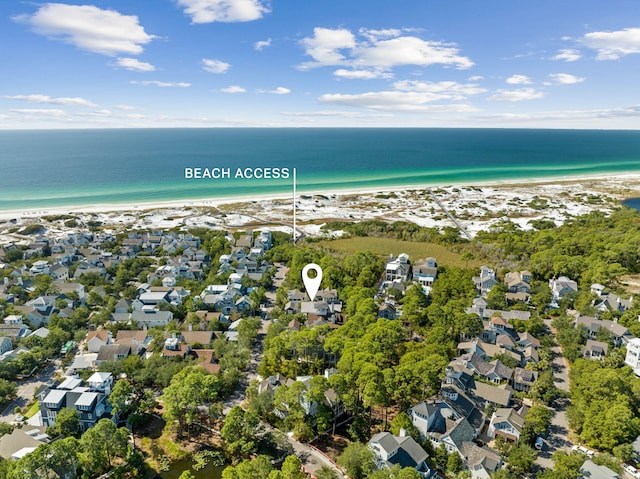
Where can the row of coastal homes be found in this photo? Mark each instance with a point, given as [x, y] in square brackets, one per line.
[399, 271]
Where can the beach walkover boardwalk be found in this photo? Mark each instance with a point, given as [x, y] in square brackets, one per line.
[446, 211]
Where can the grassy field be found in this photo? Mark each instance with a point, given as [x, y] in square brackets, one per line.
[386, 246]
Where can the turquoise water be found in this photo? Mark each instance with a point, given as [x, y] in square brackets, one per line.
[52, 168]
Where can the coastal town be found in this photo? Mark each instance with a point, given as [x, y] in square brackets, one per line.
[193, 347]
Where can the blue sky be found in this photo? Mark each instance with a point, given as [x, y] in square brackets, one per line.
[319, 63]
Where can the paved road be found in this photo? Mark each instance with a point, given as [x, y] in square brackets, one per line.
[26, 391]
[240, 393]
[311, 459]
[557, 438]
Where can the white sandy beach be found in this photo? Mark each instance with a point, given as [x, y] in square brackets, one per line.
[476, 207]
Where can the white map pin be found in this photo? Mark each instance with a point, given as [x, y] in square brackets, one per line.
[312, 284]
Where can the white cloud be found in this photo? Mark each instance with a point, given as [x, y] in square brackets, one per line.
[517, 95]
[374, 50]
[375, 35]
[362, 74]
[278, 91]
[39, 111]
[519, 80]
[208, 11]
[125, 107]
[444, 90]
[476, 78]
[325, 45]
[53, 101]
[161, 84]
[135, 65]
[412, 96]
[90, 28]
[410, 51]
[262, 44]
[215, 66]
[568, 55]
[395, 101]
[613, 45]
[233, 89]
[565, 78]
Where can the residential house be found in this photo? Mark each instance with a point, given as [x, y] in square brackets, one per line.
[21, 442]
[480, 461]
[518, 286]
[199, 339]
[174, 348]
[387, 310]
[96, 339]
[526, 340]
[403, 450]
[5, 344]
[523, 379]
[206, 359]
[14, 332]
[139, 340]
[612, 302]
[398, 269]
[590, 470]
[425, 273]
[59, 272]
[91, 404]
[151, 318]
[561, 287]
[508, 423]
[113, 352]
[595, 350]
[633, 356]
[101, 382]
[619, 334]
[485, 280]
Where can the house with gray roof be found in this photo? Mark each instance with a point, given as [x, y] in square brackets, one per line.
[596, 350]
[523, 379]
[89, 400]
[21, 442]
[390, 450]
[620, 334]
[591, 470]
[506, 422]
[480, 461]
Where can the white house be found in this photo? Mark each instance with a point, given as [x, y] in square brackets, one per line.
[633, 355]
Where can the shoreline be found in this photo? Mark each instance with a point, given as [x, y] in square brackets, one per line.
[214, 202]
[470, 207]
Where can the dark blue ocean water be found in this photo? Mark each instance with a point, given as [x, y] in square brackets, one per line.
[50, 168]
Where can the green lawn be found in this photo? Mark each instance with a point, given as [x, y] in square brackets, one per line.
[35, 407]
[386, 246]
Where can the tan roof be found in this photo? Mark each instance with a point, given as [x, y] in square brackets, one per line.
[101, 334]
[202, 337]
[206, 360]
[126, 336]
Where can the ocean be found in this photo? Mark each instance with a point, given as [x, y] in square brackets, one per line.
[55, 168]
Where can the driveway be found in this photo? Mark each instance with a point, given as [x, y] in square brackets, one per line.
[26, 390]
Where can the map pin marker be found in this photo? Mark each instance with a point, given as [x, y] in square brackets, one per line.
[312, 284]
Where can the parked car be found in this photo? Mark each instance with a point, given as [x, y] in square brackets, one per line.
[539, 444]
[631, 470]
